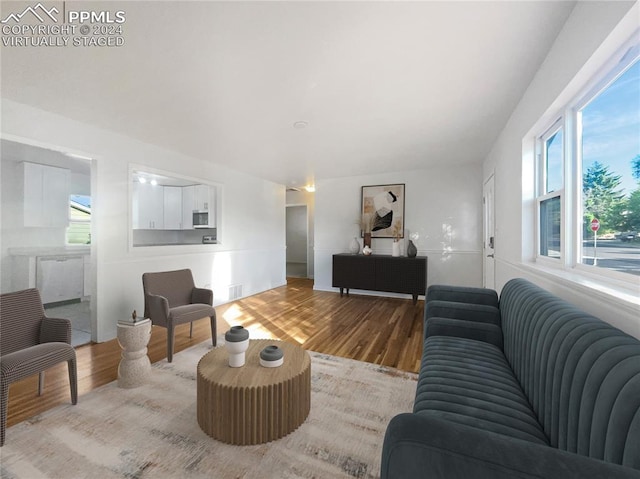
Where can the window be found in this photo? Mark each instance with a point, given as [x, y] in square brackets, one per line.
[551, 160]
[550, 227]
[610, 146]
[588, 175]
[79, 230]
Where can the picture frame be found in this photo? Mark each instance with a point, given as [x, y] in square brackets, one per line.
[382, 210]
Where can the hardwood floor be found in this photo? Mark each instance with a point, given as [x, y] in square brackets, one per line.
[386, 331]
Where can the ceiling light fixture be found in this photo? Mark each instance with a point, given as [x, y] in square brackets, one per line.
[142, 179]
[154, 182]
[300, 124]
[310, 188]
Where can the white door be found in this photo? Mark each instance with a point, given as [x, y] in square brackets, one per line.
[489, 227]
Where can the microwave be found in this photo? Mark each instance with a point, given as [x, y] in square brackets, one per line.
[200, 219]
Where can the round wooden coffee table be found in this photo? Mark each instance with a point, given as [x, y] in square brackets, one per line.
[253, 404]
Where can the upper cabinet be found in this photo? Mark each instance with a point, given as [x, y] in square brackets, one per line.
[172, 207]
[46, 195]
[168, 209]
[188, 202]
[202, 199]
[148, 206]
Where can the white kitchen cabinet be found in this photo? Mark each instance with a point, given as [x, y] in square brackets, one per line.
[148, 210]
[60, 278]
[45, 195]
[172, 207]
[188, 205]
[202, 198]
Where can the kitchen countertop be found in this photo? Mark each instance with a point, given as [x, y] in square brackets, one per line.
[51, 251]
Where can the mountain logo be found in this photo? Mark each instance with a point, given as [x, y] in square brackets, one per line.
[39, 11]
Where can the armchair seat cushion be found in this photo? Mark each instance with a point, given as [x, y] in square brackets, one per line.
[470, 382]
[190, 312]
[32, 360]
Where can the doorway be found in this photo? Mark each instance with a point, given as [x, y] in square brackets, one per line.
[297, 238]
[51, 248]
[489, 228]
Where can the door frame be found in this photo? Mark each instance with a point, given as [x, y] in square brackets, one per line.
[306, 247]
[489, 232]
[95, 239]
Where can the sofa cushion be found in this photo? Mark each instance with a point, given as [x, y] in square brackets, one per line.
[456, 310]
[470, 382]
[462, 294]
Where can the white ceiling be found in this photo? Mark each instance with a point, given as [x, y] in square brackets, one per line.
[384, 86]
[17, 152]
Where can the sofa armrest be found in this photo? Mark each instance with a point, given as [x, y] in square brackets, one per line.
[158, 309]
[202, 296]
[473, 312]
[488, 333]
[54, 330]
[422, 446]
[462, 294]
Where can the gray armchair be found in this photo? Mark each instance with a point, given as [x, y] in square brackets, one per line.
[30, 343]
[171, 298]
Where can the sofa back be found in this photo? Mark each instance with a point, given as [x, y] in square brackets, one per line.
[581, 375]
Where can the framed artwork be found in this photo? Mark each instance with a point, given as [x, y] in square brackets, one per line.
[382, 211]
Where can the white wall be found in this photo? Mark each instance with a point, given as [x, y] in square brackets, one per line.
[443, 205]
[253, 217]
[580, 48]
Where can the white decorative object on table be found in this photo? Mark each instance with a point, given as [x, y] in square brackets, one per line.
[271, 357]
[367, 251]
[135, 367]
[354, 246]
[395, 248]
[236, 341]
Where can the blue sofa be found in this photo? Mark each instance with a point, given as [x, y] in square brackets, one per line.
[527, 386]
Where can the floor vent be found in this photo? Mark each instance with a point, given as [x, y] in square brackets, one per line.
[235, 291]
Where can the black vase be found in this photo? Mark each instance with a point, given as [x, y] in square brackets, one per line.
[412, 251]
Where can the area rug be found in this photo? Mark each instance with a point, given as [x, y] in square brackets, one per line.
[152, 431]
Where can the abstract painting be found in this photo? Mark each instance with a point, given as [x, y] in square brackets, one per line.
[383, 208]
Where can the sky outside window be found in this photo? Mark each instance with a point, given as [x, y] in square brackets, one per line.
[611, 128]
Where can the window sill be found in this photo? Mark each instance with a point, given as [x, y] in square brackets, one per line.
[626, 294]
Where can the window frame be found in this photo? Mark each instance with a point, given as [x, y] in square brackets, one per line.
[569, 120]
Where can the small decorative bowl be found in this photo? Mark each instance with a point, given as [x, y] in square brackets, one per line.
[271, 357]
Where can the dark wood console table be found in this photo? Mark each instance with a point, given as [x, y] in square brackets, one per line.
[394, 274]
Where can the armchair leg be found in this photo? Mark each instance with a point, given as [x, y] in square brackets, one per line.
[191, 330]
[40, 383]
[214, 335]
[73, 380]
[4, 399]
[170, 343]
